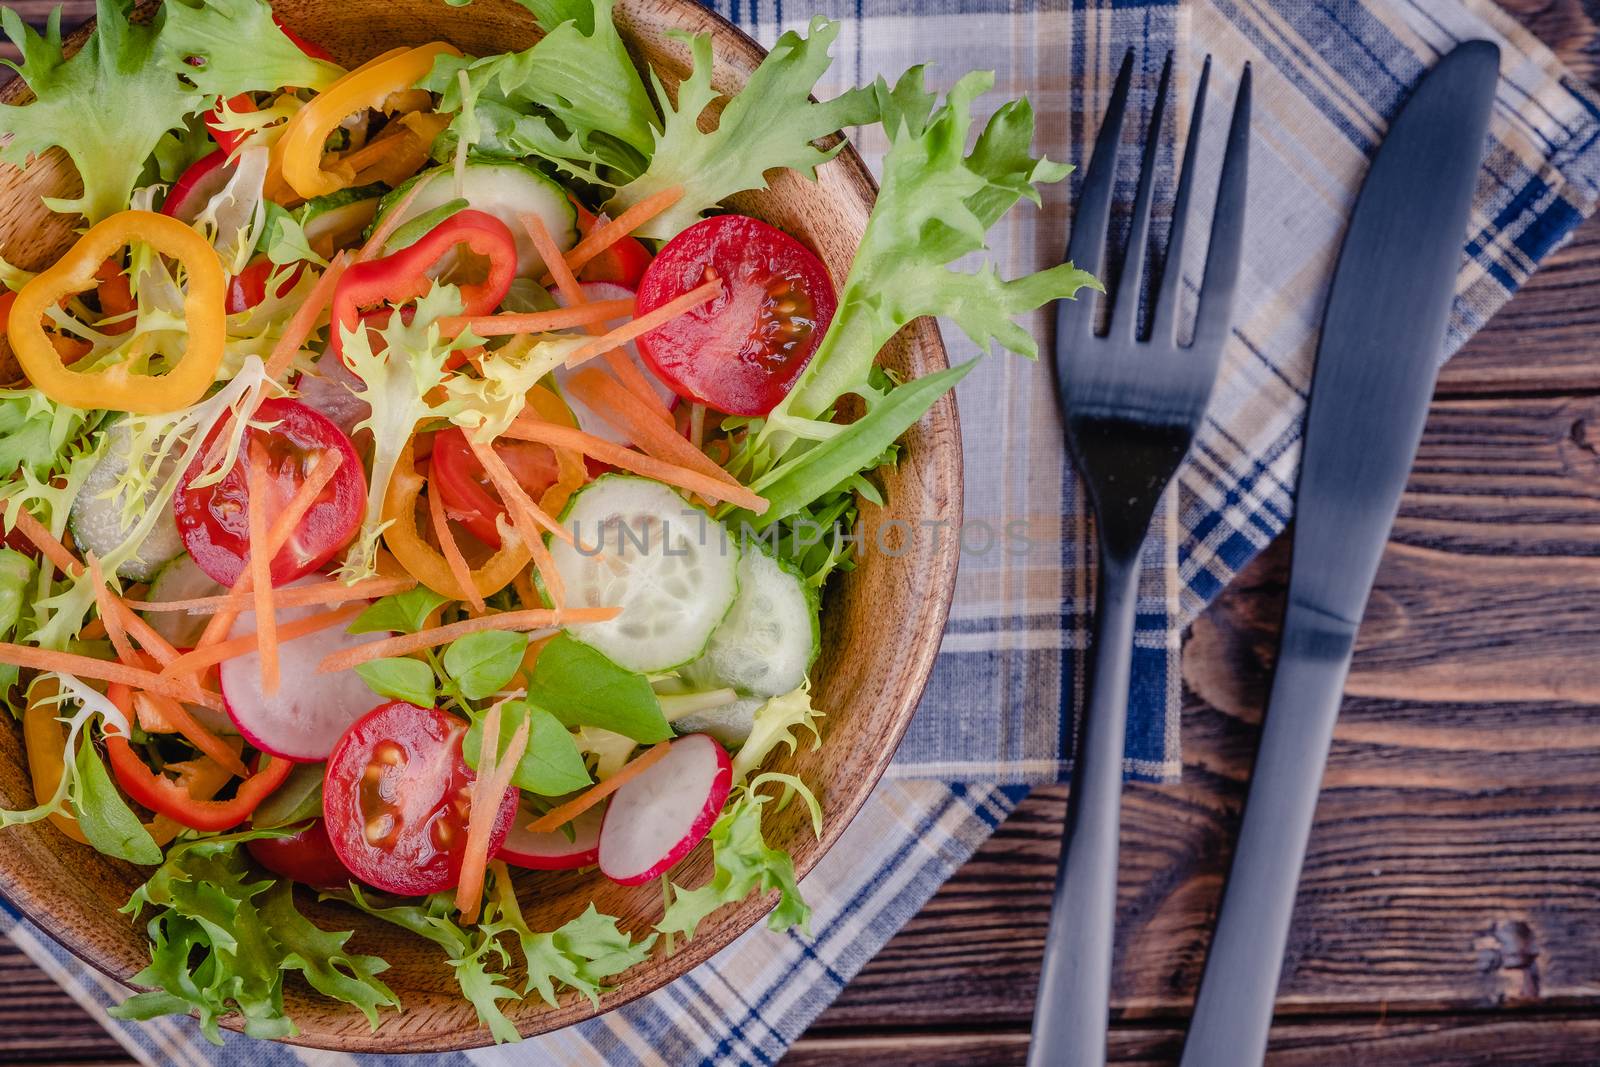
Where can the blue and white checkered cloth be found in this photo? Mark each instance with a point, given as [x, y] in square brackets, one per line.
[997, 716]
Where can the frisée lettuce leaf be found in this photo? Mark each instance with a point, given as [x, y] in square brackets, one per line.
[226, 47]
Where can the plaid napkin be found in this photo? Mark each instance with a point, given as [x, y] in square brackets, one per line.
[999, 710]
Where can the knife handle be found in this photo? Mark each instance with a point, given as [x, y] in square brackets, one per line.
[1234, 1010]
[1071, 1013]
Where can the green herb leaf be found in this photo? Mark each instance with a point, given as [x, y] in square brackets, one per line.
[402, 678]
[771, 124]
[483, 663]
[239, 49]
[581, 687]
[286, 239]
[743, 863]
[413, 230]
[299, 798]
[107, 107]
[401, 613]
[551, 765]
[105, 818]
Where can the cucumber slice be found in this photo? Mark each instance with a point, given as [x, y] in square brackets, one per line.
[668, 565]
[97, 514]
[771, 635]
[504, 189]
[731, 723]
[182, 579]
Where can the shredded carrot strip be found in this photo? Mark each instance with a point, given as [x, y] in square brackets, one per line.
[614, 404]
[304, 319]
[527, 428]
[201, 658]
[197, 735]
[486, 807]
[261, 565]
[562, 814]
[604, 236]
[565, 281]
[288, 597]
[646, 322]
[452, 551]
[108, 612]
[44, 659]
[389, 223]
[527, 517]
[536, 321]
[405, 644]
[322, 472]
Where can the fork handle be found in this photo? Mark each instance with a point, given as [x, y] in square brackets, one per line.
[1070, 1015]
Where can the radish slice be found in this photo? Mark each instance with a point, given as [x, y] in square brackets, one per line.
[554, 851]
[588, 421]
[656, 818]
[306, 716]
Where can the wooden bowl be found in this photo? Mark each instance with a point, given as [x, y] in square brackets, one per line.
[881, 627]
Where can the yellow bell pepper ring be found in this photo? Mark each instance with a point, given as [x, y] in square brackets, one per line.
[118, 387]
[299, 151]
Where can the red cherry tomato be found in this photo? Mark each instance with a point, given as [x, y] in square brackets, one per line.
[213, 519]
[249, 287]
[469, 495]
[741, 351]
[623, 263]
[395, 799]
[306, 857]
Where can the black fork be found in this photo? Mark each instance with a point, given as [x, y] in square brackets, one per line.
[1131, 405]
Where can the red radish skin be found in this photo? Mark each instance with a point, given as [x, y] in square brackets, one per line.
[553, 851]
[657, 818]
[304, 719]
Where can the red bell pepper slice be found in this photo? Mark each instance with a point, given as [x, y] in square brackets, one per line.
[398, 279]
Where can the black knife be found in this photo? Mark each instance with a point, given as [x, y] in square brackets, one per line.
[1382, 336]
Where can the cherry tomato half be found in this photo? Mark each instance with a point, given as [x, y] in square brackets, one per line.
[213, 520]
[306, 857]
[469, 495]
[741, 351]
[623, 263]
[396, 796]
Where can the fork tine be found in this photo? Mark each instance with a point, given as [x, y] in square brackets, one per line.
[1086, 248]
[1125, 309]
[1164, 325]
[1227, 229]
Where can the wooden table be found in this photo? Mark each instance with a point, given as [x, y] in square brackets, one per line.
[1450, 911]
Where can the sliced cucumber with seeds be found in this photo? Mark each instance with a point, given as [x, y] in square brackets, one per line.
[771, 635]
[503, 189]
[181, 579]
[731, 723]
[668, 565]
[100, 523]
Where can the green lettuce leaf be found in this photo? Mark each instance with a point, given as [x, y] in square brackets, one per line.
[227, 47]
[772, 123]
[743, 863]
[222, 938]
[550, 767]
[107, 107]
[775, 724]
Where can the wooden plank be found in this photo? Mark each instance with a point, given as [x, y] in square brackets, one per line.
[1436, 1041]
[41, 1024]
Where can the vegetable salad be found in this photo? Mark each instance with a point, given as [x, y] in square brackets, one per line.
[414, 464]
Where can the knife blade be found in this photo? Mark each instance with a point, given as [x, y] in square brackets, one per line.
[1382, 334]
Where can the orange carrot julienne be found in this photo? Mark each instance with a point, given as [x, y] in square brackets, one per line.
[260, 564]
[304, 319]
[494, 778]
[195, 732]
[648, 321]
[565, 281]
[526, 428]
[44, 659]
[108, 613]
[322, 472]
[390, 222]
[561, 814]
[287, 597]
[405, 644]
[203, 657]
[616, 405]
[607, 234]
[536, 321]
[452, 551]
[526, 517]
